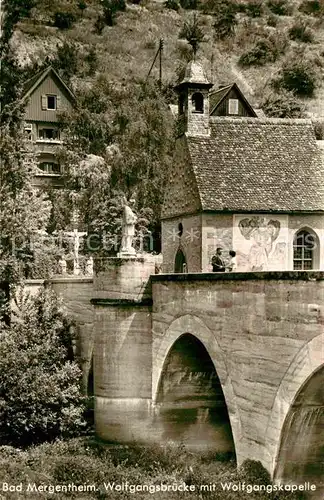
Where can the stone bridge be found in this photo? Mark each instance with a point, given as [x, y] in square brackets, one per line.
[233, 362]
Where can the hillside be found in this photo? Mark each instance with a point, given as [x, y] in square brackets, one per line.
[124, 52]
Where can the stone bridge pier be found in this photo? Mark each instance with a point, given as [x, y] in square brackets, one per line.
[231, 362]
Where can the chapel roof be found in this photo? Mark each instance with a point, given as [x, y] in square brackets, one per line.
[252, 164]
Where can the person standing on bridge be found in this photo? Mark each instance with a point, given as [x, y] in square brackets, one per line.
[232, 266]
[218, 262]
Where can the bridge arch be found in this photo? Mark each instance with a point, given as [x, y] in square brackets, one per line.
[307, 362]
[193, 326]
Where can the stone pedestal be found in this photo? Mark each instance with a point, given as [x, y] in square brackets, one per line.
[123, 348]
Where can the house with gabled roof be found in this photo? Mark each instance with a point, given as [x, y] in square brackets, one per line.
[46, 95]
[243, 183]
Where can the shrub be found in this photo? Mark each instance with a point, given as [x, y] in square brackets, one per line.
[64, 20]
[110, 9]
[224, 18]
[319, 130]
[66, 61]
[99, 24]
[171, 4]
[298, 77]
[40, 383]
[254, 472]
[272, 20]
[192, 32]
[283, 104]
[82, 5]
[265, 50]
[279, 7]
[253, 9]
[189, 4]
[301, 32]
[92, 60]
[312, 7]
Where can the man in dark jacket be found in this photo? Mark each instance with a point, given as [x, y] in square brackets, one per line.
[218, 262]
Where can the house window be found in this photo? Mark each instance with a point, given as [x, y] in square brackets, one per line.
[305, 248]
[233, 107]
[50, 167]
[48, 134]
[28, 128]
[197, 102]
[51, 102]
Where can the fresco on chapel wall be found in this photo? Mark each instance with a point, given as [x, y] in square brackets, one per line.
[261, 242]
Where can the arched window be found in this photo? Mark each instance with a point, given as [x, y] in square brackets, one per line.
[198, 102]
[180, 264]
[306, 250]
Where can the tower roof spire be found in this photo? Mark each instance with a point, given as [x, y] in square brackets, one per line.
[194, 74]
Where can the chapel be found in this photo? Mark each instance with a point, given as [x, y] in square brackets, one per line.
[242, 182]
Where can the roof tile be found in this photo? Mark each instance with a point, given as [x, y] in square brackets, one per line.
[250, 164]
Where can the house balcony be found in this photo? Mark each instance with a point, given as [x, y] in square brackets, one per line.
[48, 146]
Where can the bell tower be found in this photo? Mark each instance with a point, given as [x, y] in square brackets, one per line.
[193, 102]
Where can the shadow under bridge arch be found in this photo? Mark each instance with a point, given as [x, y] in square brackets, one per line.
[193, 392]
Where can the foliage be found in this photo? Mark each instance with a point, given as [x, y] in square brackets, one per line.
[92, 61]
[300, 31]
[224, 15]
[312, 7]
[128, 140]
[64, 20]
[297, 76]
[254, 8]
[171, 4]
[193, 32]
[110, 9]
[85, 461]
[89, 126]
[82, 5]
[282, 104]
[189, 4]
[266, 49]
[67, 60]
[272, 20]
[13, 11]
[319, 130]
[279, 7]
[23, 211]
[40, 384]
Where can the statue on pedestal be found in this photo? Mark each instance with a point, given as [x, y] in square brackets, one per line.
[89, 266]
[62, 265]
[128, 229]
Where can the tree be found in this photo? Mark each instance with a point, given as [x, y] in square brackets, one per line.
[127, 138]
[297, 76]
[40, 384]
[23, 211]
[224, 13]
[13, 12]
[282, 104]
[193, 33]
[110, 9]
